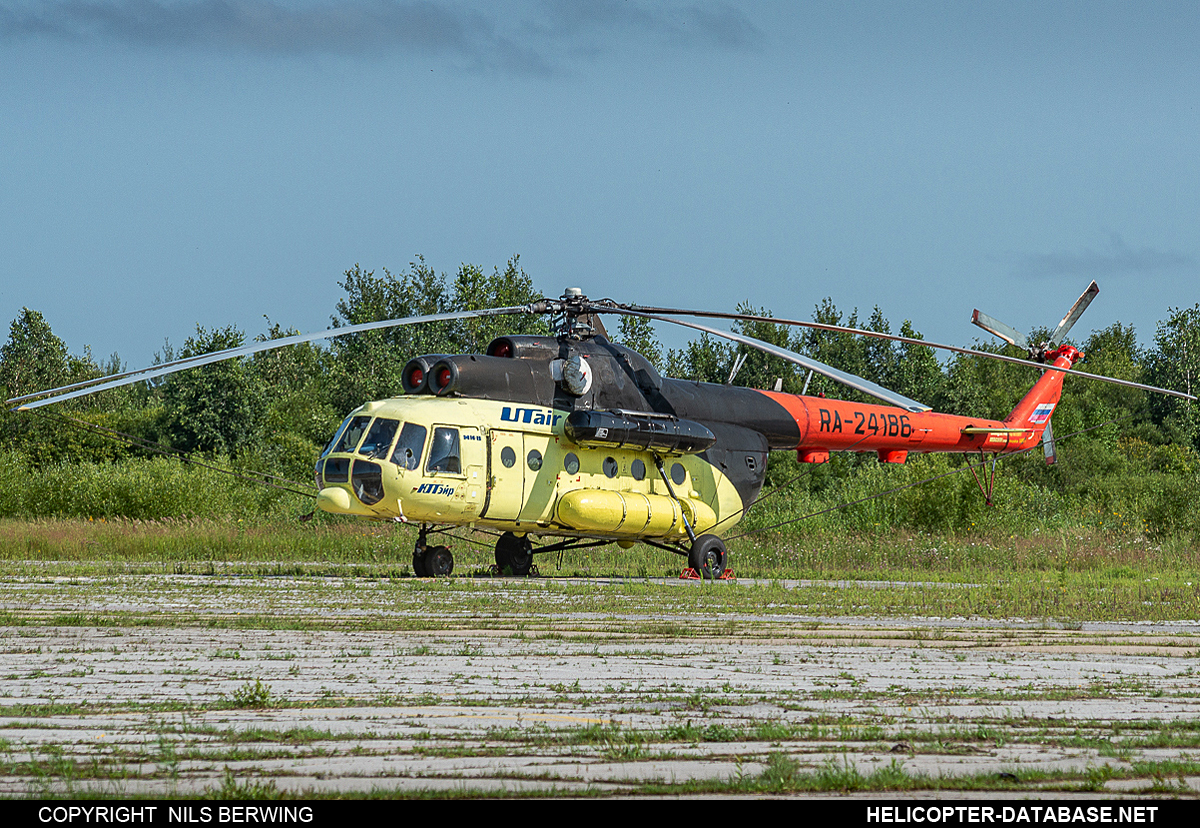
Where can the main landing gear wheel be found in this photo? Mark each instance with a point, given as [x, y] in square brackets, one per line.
[419, 563]
[438, 561]
[708, 557]
[514, 554]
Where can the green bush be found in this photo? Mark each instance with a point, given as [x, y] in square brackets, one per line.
[138, 489]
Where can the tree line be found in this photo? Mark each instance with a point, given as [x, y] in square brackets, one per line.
[273, 411]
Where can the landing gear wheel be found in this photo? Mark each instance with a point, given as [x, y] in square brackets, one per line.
[419, 563]
[514, 554]
[708, 557]
[438, 561]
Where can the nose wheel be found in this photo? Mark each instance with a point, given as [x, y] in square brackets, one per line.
[431, 561]
[514, 555]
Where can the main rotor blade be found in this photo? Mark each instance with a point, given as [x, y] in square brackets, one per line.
[997, 328]
[820, 326]
[850, 380]
[68, 392]
[107, 378]
[1076, 311]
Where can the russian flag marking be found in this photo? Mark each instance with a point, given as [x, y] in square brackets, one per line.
[1042, 413]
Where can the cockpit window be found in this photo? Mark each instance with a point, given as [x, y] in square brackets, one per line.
[352, 433]
[408, 449]
[443, 452]
[379, 437]
[336, 435]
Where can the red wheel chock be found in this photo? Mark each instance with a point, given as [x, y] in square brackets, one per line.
[690, 574]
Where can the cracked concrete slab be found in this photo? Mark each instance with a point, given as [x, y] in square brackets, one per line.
[160, 699]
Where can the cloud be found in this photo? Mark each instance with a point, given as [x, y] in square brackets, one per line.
[1120, 259]
[531, 31]
[244, 23]
[599, 22]
[273, 26]
[724, 26]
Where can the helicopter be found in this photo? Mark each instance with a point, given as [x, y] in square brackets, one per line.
[578, 439]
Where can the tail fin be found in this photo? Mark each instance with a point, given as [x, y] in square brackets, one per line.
[1034, 411]
[1037, 406]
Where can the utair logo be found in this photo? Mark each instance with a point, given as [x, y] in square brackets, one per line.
[434, 489]
[533, 416]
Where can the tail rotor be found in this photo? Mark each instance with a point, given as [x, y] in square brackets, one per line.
[1043, 350]
[1037, 352]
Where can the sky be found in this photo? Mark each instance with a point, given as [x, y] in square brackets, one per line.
[168, 163]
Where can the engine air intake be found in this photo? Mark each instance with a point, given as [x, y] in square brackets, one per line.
[415, 377]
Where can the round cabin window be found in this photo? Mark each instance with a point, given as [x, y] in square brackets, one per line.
[678, 475]
[534, 460]
[638, 469]
[508, 457]
[610, 467]
[571, 463]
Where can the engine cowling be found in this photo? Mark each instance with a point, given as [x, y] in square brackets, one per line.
[636, 430]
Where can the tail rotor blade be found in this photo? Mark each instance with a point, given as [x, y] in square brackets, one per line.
[997, 328]
[1073, 314]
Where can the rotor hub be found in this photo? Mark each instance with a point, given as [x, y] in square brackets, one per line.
[572, 314]
[1068, 352]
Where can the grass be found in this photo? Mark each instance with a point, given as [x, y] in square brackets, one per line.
[650, 608]
[1065, 577]
[126, 579]
[771, 758]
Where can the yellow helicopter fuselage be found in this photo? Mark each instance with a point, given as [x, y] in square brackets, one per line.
[511, 467]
